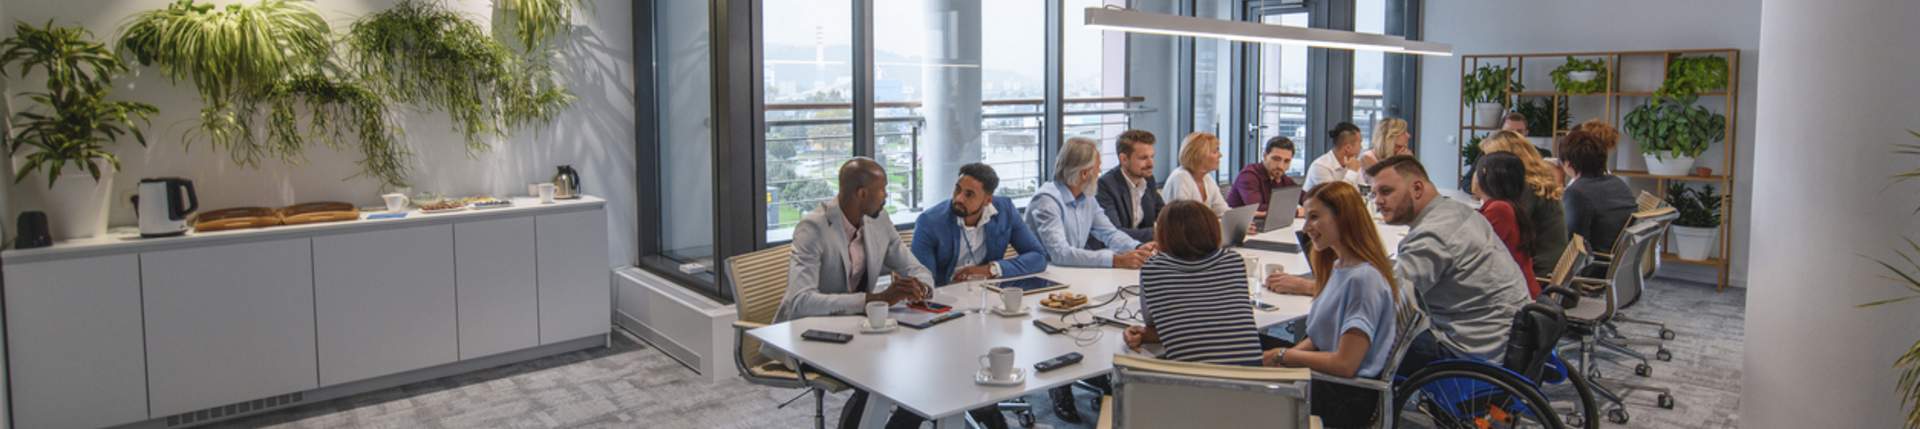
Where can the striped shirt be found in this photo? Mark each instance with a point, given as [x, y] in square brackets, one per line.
[1201, 309]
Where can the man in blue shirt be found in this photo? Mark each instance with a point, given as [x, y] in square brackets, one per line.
[965, 238]
[1065, 214]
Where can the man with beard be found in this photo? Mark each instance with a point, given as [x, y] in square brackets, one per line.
[840, 249]
[966, 238]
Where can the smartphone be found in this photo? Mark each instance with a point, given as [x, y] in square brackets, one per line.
[930, 307]
[1263, 306]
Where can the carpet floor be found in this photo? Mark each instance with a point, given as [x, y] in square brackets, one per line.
[631, 384]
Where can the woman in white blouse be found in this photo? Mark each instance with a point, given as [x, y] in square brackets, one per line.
[1199, 157]
[1342, 164]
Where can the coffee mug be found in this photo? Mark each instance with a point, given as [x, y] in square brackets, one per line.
[998, 362]
[877, 315]
[395, 201]
[1010, 298]
[546, 193]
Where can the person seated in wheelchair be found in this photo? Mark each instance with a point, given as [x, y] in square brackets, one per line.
[1351, 326]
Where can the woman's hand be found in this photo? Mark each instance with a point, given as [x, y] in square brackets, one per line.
[1279, 281]
[1138, 335]
[1271, 357]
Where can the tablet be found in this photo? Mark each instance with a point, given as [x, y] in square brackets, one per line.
[1031, 285]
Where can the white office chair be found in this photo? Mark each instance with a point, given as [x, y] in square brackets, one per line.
[759, 282]
[1155, 393]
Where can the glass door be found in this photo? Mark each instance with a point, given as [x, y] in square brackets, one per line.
[1276, 86]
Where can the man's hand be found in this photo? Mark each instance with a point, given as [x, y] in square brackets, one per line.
[1137, 335]
[1350, 164]
[1281, 282]
[976, 272]
[1131, 260]
[904, 288]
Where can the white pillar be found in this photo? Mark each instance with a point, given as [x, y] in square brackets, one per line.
[951, 95]
[1836, 92]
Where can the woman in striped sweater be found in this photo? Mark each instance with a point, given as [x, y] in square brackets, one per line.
[1194, 293]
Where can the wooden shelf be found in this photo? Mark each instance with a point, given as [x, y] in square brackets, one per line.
[1688, 178]
[1711, 262]
[1470, 127]
[1616, 101]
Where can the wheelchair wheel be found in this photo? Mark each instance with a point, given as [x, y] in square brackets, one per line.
[1573, 400]
[1471, 395]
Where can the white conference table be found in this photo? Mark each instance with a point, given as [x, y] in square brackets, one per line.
[931, 372]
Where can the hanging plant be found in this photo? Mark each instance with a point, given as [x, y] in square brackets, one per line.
[1692, 75]
[254, 65]
[419, 52]
[535, 21]
[71, 123]
[1593, 71]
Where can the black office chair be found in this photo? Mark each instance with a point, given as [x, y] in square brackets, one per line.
[1599, 305]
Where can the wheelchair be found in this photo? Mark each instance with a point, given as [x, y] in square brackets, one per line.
[1532, 388]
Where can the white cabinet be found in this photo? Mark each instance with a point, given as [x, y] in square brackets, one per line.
[229, 323]
[74, 343]
[576, 283]
[385, 301]
[499, 299]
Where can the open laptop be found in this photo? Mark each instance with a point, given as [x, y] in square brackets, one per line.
[1281, 205]
[1233, 226]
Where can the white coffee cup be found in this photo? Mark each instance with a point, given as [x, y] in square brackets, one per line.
[998, 362]
[1010, 299]
[395, 201]
[877, 316]
[546, 193]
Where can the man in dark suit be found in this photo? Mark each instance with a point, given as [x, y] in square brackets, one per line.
[1128, 193]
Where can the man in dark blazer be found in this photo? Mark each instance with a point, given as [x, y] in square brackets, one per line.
[1128, 193]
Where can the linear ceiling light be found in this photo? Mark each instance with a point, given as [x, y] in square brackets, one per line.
[1118, 19]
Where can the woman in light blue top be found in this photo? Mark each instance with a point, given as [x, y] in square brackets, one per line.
[1351, 327]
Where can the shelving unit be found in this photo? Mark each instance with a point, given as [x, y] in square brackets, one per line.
[1615, 96]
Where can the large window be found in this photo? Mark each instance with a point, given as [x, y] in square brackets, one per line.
[1213, 90]
[808, 73]
[1369, 68]
[1095, 78]
[1283, 92]
[956, 82]
[684, 96]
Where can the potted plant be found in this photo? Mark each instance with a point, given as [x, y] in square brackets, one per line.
[1692, 75]
[1673, 133]
[1542, 120]
[1469, 156]
[1485, 91]
[1579, 76]
[1908, 276]
[1698, 228]
[63, 135]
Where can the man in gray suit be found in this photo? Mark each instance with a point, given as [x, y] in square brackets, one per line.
[840, 249]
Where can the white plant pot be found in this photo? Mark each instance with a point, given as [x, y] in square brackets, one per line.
[1668, 167]
[1488, 115]
[76, 205]
[1693, 243]
[1582, 76]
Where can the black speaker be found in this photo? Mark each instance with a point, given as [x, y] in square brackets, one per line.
[31, 231]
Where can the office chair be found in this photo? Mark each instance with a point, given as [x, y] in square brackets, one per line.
[1155, 393]
[1410, 322]
[1662, 218]
[759, 282]
[1590, 317]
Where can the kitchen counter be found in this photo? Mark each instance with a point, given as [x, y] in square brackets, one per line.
[128, 239]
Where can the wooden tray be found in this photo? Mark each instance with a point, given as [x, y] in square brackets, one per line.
[236, 218]
[305, 213]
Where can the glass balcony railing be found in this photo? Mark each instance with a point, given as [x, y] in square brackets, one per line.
[807, 142]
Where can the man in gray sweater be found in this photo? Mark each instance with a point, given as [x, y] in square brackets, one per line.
[1456, 267]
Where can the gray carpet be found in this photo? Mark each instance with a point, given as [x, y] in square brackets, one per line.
[632, 385]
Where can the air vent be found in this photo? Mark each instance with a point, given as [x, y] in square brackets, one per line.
[224, 411]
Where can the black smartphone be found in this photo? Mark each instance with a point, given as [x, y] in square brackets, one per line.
[1264, 306]
[827, 336]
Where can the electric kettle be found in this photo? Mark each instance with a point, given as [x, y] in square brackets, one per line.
[163, 206]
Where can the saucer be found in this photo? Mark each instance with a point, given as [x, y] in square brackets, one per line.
[1004, 313]
[1019, 378]
[865, 328]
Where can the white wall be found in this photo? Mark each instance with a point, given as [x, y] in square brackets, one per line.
[595, 135]
[1833, 104]
[1506, 26]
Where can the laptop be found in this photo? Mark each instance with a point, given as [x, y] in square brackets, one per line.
[1233, 225]
[1281, 206]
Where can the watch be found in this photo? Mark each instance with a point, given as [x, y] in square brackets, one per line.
[995, 267]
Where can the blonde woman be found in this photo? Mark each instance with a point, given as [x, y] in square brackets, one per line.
[1193, 181]
[1390, 138]
[1542, 203]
